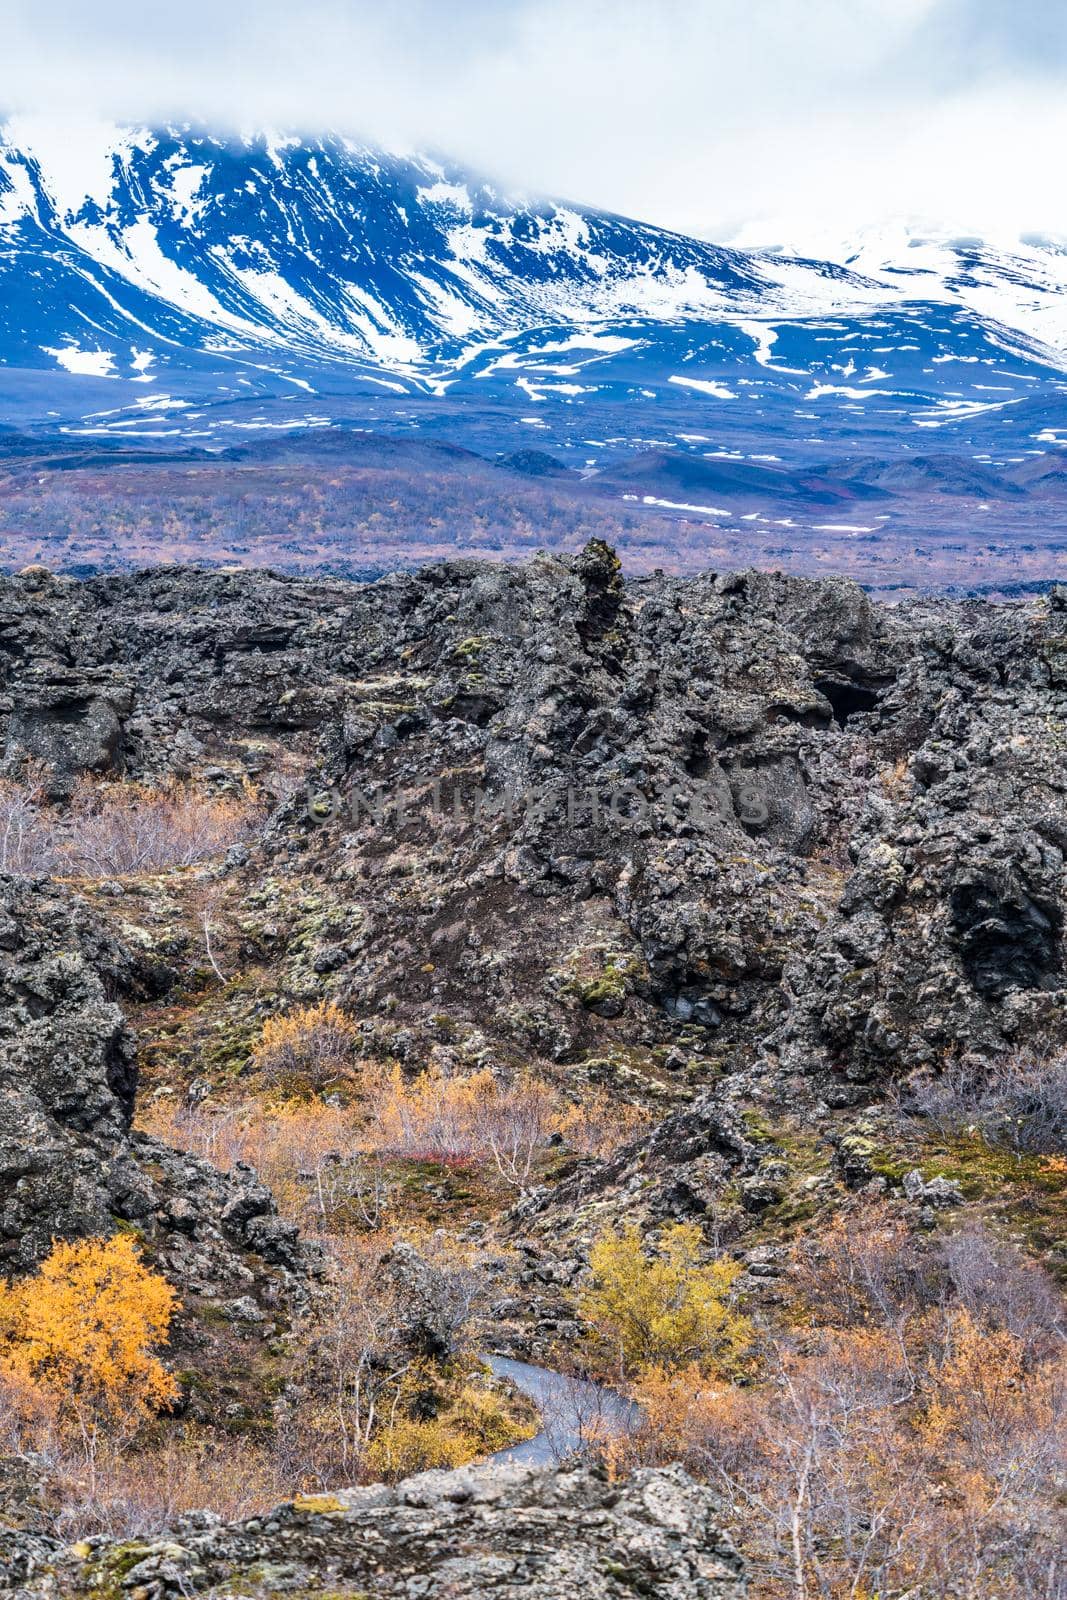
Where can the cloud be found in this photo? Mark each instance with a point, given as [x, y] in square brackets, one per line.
[705, 115]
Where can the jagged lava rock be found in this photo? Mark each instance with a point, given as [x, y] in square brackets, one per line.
[70, 1167]
[829, 836]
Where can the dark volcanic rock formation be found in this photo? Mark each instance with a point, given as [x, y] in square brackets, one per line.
[652, 830]
[69, 1165]
[721, 844]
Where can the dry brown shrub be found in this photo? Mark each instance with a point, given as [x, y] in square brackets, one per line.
[27, 840]
[918, 1449]
[1018, 1101]
[306, 1151]
[313, 1048]
[598, 1126]
[871, 1469]
[992, 1280]
[117, 829]
[136, 1492]
[327, 1162]
[858, 1270]
[350, 1371]
[363, 1391]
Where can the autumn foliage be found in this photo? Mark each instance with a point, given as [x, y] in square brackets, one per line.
[84, 1332]
[307, 1151]
[308, 1048]
[481, 1118]
[663, 1308]
[469, 1118]
[907, 1440]
[326, 1159]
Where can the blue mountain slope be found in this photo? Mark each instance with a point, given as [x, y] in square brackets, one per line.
[325, 249]
[174, 283]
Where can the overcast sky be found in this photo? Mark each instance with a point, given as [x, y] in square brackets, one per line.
[704, 115]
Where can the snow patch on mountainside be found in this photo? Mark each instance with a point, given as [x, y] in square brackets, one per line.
[231, 271]
[718, 391]
[1020, 283]
[89, 363]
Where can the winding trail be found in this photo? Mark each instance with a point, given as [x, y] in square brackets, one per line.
[573, 1410]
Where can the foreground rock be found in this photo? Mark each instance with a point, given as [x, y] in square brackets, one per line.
[70, 1167]
[507, 1531]
[759, 822]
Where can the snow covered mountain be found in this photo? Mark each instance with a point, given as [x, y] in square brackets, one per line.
[333, 251]
[175, 282]
[1018, 282]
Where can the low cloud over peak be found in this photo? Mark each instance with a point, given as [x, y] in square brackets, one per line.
[710, 116]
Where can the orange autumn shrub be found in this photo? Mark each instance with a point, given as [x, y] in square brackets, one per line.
[327, 1163]
[310, 1048]
[430, 1116]
[854, 1276]
[691, 1417]
[597, 1126]
[479, 1118]
[29, 1414]
[85, 1330]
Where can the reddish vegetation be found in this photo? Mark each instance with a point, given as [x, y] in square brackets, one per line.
[327, 1163]
[303, 516]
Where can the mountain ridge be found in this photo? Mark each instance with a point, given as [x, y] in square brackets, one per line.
[143, 194]
[140, 252]
[174, 290]
[1019, 279]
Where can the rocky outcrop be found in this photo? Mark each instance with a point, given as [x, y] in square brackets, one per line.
[512, 1531]
[651, 831]
[27, 1539]
[949, 933]
[70, 1167]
